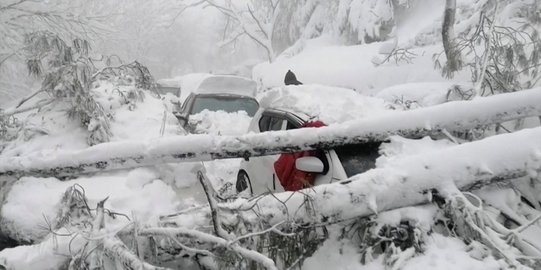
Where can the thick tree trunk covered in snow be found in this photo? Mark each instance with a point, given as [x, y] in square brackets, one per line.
[405, 182]
[448, 35]
[452, 116]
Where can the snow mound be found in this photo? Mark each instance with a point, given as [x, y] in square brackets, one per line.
[29, 217]
[399, 147]
[413, 95]
[353, 67]
[328, 104]
[220, 122]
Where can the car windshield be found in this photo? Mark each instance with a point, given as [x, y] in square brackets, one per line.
[227, 104]
[358, 158]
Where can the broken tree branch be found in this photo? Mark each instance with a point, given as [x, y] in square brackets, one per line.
[25, 99]
[452, 116]
[201, 236]
[407, 181]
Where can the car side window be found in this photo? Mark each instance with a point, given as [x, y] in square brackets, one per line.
[264, 123]
[290, 125]
[276, 123]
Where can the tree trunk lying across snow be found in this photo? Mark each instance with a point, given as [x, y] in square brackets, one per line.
[405, 182]
[452, 116]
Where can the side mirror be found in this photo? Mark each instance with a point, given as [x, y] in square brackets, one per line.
[309, 164]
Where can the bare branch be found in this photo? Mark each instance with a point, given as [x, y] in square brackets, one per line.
[40, 104]
[25, 99]
[263, 30]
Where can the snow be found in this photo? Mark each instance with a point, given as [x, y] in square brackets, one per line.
[328, 104]
[442, 253]
[44, 256]
[220, 122]
[352, 67]
[419, 94]
[144, 193]
[445, 253]
[420, 216]
[326, 257]
[399, 147]
[28, 217]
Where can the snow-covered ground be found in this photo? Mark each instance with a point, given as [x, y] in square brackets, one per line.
[142, 193]
[354, 82]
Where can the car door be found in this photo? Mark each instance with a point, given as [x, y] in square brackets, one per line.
[328, 176]
[262, 168]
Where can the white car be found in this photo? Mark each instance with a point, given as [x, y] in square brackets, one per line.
[257, 175]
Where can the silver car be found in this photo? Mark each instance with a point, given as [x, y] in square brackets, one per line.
[219, 93]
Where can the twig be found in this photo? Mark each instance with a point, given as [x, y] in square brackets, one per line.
[192, 250]
[271, 229]
[38, 105]
[201, 236]
[28, 97]
[525, 226]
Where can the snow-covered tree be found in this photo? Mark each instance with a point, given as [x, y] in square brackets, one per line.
[501, 47]
[68, 19]
[255, 19]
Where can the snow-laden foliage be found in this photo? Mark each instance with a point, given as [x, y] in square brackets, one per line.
[356, 21]
[19, 18]
[500, 45]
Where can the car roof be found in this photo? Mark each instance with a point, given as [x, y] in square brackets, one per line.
[222, 95]
[227, 84]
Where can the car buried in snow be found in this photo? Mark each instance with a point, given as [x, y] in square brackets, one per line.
[295, 107]
[218, 93]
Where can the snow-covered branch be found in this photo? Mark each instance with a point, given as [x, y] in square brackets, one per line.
[201, 236]
[452, 116]
[258, 26]
[118, 251]
[406, 182]
[37, 105]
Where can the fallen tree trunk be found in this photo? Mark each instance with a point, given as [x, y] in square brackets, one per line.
[406, 182]
[453, 116]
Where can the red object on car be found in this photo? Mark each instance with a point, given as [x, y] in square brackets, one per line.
[291, 178]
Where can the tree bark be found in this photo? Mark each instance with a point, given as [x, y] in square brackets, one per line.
[452, 116]
[448, 35]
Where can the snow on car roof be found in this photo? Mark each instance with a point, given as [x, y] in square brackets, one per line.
[228, 84]
[326, 103]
